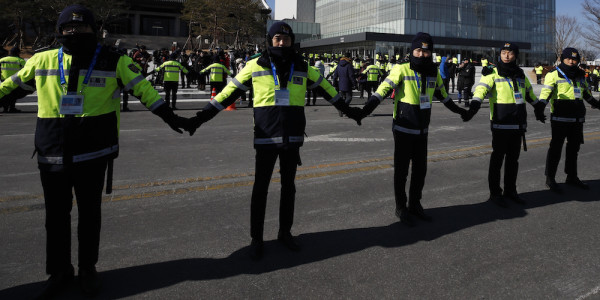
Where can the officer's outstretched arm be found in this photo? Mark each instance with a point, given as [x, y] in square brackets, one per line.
[132, 79]
[318, 84]
[587, 96]
[234, 89]
[441, 94]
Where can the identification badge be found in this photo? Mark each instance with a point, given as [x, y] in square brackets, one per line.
[424, 100]
[431, 84]
[519, 98]
[577, 93]
[71, 105]
[97, 82]
[282, 97]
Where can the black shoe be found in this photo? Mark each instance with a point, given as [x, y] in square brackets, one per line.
[404, 216]
[256, 249]
[498, 200]
[174, 108]
[288, 241]
[553, 186]
[126, 109]
[418, 211]
[514, 196]
[575, 181]
[90, 281]
[57, 283]
[14, 110]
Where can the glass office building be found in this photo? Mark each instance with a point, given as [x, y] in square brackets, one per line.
[473, 28]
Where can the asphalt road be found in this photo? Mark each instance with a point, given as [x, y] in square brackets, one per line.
[177, 223]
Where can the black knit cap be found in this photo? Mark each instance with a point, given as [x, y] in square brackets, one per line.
[511, 47]
[422, 40]
[76, 14]
[281, 28]
[570, 53]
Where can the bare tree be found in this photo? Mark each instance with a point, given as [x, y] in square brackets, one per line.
[567, 32]
[591, 32]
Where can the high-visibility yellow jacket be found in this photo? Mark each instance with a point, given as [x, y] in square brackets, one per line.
[64, 139]
[373, 72]
[539, 70]
[505, 112]
[10, 65]
[564, 106]
[217, 72]
[409, 85]
[277, 122]
[172, 69]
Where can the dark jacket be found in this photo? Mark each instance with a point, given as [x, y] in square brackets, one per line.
[344, 75]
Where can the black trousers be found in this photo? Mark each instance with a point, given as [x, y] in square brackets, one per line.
[573, 132]
[310, 92]
[505, 144]
[538, 77]
[87, 179]
[371, 87]
[171, 90]
[265, 162]
[409, 149]
[218, 86]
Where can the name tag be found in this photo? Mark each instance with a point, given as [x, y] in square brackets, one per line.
[519, 98]
[424, 101]
[431, 84]
[297, 80]
[71, 105]
[577, 92]
[97, 82]
[282, 97]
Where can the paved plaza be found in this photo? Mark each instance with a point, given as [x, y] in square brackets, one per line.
[177, 223]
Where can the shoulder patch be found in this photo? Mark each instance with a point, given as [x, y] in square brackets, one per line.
[133, 68]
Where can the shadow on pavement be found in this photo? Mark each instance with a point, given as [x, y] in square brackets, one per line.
[318, 246]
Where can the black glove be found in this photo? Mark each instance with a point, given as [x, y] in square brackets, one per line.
[487, 70]
[355, 114]
[174, 121]
[538, 110]
[595, 104]
[473, 109]
[193, 124]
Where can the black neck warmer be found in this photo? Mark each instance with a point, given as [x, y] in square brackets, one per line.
[572, 72]
[423, 65]
[510, 70]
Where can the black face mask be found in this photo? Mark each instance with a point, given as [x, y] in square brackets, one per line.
[423, 65]
[281, 54]
[78, 44]
[509, 69]
[572, 72]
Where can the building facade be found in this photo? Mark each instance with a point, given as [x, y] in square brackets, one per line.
[473, 28]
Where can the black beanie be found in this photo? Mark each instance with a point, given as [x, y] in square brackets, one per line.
[422, 40]
[76, 14]
[511, 47]
[281, 28]
[570, 53]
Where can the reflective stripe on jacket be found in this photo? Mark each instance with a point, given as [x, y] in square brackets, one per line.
[407, 107]
[61, 139]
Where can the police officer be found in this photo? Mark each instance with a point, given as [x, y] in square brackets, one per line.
[507, 88]
[372, 72]
[539, 70]
[280, 78]
[218, 74]
[76, 138]
[171, 68]
[565, 88]
[9, 66]
[415, 83]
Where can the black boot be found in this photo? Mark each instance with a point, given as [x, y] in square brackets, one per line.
[89, 280]
[575, 181]
[416, 209]
[57, 283]
[552, 185]
[288, 241]
[256, 249]
[498, 200]
[404, 216]
[514, 196]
